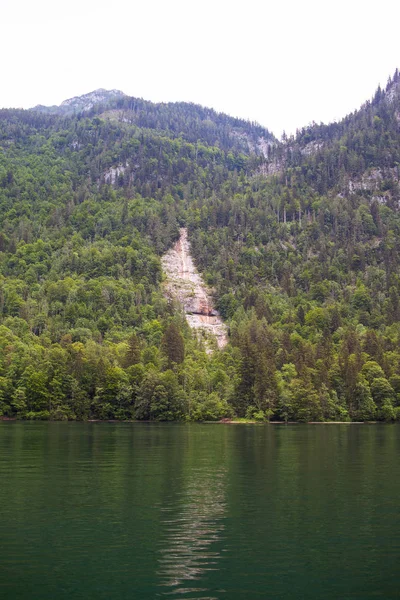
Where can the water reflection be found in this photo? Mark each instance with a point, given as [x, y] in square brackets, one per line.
[144, 511]
[193, 534]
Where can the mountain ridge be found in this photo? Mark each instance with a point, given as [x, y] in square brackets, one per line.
[175, 117]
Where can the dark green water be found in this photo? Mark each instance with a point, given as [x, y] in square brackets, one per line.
[138, 511]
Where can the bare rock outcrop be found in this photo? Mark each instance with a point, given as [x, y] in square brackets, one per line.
[186, 285]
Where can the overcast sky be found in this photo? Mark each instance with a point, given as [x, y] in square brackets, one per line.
[283, 64]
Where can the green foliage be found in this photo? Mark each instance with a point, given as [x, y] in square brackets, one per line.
[209, 407]
[304, 264]
[173, 345]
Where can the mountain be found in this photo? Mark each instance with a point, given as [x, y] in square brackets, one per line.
[356, 154]
[178, 119]
[81, 103]
[299, 241]
[311, 257]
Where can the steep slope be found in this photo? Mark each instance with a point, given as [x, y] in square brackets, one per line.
[186, 285]
[358, 154]
[305, 264]
[85, 329]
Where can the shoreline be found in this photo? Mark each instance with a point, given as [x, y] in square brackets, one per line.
[6, 419]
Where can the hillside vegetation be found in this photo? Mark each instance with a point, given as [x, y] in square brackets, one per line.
[299, 239]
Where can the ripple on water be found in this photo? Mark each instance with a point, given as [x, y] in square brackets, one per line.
[192, 541]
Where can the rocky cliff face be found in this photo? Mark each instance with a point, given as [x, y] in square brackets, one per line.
[81, 103]
[87, 101]
[186, 285]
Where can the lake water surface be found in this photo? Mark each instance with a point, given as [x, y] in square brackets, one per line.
[145, 511]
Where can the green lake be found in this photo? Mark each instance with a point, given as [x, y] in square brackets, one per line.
[141, 511]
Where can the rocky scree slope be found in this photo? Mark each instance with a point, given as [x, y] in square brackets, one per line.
[186, 285]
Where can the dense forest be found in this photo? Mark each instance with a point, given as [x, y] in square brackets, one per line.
[299, 240]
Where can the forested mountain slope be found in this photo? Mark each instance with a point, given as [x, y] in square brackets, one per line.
[88, 203]
[309, 272]
[304, 263]
[191, 122]
[360, 153]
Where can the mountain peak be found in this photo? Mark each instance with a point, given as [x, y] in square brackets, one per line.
[87, 101]
[82, 103]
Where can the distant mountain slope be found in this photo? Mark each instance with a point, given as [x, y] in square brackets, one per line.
[178, 119]
[195, 122]
[360, 153]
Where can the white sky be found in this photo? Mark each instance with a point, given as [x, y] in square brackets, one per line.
[282, 63]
